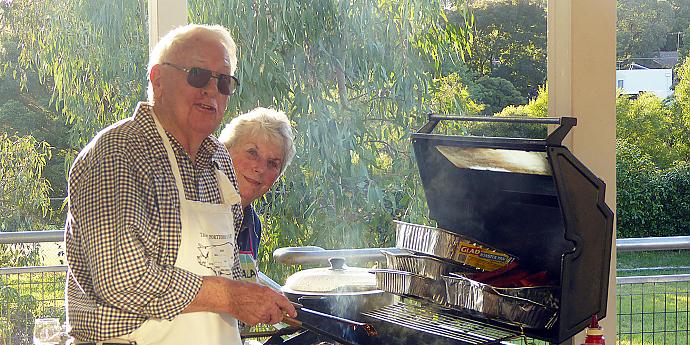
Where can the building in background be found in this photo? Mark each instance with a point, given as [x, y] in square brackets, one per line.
[637, 79]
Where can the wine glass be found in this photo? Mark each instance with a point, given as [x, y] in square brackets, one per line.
[47, 331]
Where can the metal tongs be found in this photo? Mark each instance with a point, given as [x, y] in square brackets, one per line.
[310, 319]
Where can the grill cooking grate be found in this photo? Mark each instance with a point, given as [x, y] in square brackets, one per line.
[430, 320]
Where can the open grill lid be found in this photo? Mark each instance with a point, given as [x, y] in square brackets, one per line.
[528, 197]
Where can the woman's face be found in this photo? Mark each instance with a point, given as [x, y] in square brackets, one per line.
[190, 113]
[257, 161]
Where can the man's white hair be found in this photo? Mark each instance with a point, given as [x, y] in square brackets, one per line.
[169, 44]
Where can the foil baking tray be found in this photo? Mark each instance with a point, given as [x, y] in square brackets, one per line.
[409, 284]
[424, 265]
[448, 245]
[532, 307]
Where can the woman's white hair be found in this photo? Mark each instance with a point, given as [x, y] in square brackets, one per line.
[274, 124]
[176, 38]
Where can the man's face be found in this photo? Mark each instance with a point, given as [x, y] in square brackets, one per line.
[257, 161]
[188, 112]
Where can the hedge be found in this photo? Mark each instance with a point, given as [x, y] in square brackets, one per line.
[650, 201]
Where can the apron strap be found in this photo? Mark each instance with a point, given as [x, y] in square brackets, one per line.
[171, 157]
[227, 191]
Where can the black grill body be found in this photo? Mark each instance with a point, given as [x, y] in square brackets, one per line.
[554, 219]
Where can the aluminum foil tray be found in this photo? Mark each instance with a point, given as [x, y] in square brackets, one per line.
[533, 307]
[448, 245]
[410, 284]
[427, 266]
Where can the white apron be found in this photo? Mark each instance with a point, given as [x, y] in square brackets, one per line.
[207, 249]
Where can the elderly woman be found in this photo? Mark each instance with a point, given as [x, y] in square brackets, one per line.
[154, 212]
[260, 143]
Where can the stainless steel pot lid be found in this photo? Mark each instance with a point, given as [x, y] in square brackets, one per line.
[337, 279]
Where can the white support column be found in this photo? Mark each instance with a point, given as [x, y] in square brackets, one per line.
[165, 15]
[582, 83]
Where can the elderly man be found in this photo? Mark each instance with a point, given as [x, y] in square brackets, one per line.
[154, 213]
[261, 145]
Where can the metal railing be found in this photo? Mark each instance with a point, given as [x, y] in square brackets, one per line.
[651, 309]
[28, 293]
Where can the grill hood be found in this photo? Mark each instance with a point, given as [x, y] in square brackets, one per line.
[530, 197]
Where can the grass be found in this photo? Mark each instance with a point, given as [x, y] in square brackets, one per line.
[628, 261]
[653, 313]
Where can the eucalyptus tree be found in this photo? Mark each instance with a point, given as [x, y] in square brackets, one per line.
[91, 54]
[355, 78]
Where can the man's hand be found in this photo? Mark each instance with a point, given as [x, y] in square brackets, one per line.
[248, 302]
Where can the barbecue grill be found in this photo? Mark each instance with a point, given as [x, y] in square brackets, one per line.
[531, 198]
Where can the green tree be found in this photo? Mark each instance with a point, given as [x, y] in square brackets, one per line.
[681, 22]
[355, 79]
[450, 95]
[682, 92]
[655, 127]
[496, 93]
[684, 48]
[681, 14]
[642, 27]
[25, 109]
[91, 54]
[652, 167]
[24, 191]
[535, 108]
[635, 200]
[510, 42]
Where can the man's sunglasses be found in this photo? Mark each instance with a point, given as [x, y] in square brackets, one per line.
[199, 78]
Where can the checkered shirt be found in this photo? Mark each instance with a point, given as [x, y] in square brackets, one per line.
[123, 227]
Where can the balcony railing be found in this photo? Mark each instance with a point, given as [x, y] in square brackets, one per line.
[651, 309]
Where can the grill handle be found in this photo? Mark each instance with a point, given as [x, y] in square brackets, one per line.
[367, 328]
[565, 124]
[352, 332]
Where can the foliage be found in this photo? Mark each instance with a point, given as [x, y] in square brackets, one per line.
[682, 92]
[331, 66]
[496, 93]
[652, 166]
[684, 48]
[355, 78]
[490, 94]
[650, 201]
[90, 53]
[536, 108]
[681, 17]
[655, 127]
[24, 191]
[450, 95]
[510, 42]
[634, 203]
[642, 27]
[16, 316]
[24, 202]
[25, 110]
[675, 39]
